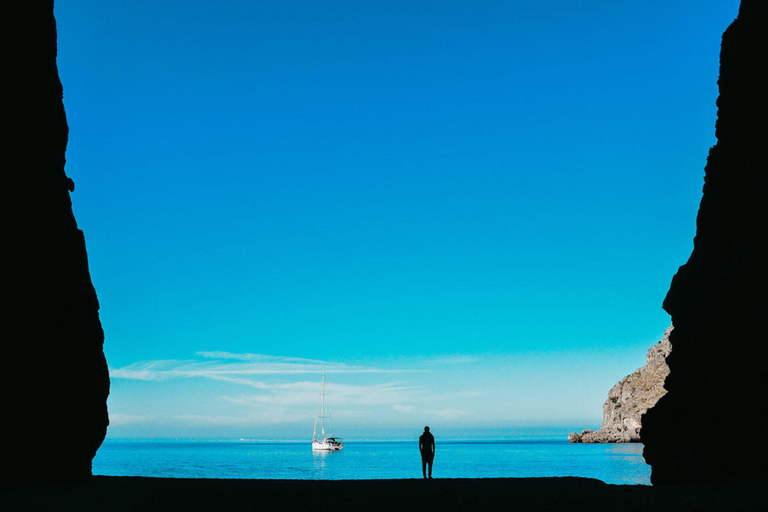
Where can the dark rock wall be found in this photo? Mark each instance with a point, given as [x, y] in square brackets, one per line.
[712, 425]
[54, 381]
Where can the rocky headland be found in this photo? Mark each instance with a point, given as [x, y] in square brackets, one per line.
[630, 398]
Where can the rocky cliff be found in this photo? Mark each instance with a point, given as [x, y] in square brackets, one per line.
[712, 424]
[54, 379]
[630, 398]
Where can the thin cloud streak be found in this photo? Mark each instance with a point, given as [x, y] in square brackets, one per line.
[228, 366]
[262, 358]
[306, 393]
[269, 390]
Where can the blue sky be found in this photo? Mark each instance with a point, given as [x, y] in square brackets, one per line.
[469, 212]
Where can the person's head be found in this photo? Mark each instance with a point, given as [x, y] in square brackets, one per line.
[426, 429]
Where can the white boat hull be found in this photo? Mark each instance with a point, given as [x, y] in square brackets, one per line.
[322, 446]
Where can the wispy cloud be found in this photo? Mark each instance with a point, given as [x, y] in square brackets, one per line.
[343, 395]
[261, 358]
[268, 389]
[235, 367]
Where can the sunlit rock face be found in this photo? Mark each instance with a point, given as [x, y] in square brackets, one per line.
[54, 379]
[712, 425]
[630, 398]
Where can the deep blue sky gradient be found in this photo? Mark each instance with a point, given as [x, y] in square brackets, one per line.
[373, 182]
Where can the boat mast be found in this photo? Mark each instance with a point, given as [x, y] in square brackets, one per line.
[322, 397]
[317, 413]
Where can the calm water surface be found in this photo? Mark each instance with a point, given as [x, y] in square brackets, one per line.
[611, 463]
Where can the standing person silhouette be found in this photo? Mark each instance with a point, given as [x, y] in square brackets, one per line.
[427, 449]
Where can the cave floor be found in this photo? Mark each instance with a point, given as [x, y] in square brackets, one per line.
[519, 494]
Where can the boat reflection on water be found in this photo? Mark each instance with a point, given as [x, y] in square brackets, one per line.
[325, 464]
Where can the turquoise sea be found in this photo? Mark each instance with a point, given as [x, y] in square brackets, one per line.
[611, 463]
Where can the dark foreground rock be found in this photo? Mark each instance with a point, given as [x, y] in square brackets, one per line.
[520, 494]
[54, 379]
[712, 424]
[630, 398]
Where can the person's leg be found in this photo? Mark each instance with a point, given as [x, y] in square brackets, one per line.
[430, 468]
[424, 467]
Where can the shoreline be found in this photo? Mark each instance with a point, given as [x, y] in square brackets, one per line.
[110, 493]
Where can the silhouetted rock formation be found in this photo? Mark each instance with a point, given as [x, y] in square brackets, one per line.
[630, 398]
[54, 378]
[718, 300]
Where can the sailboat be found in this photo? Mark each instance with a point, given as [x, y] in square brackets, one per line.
[324, 443]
